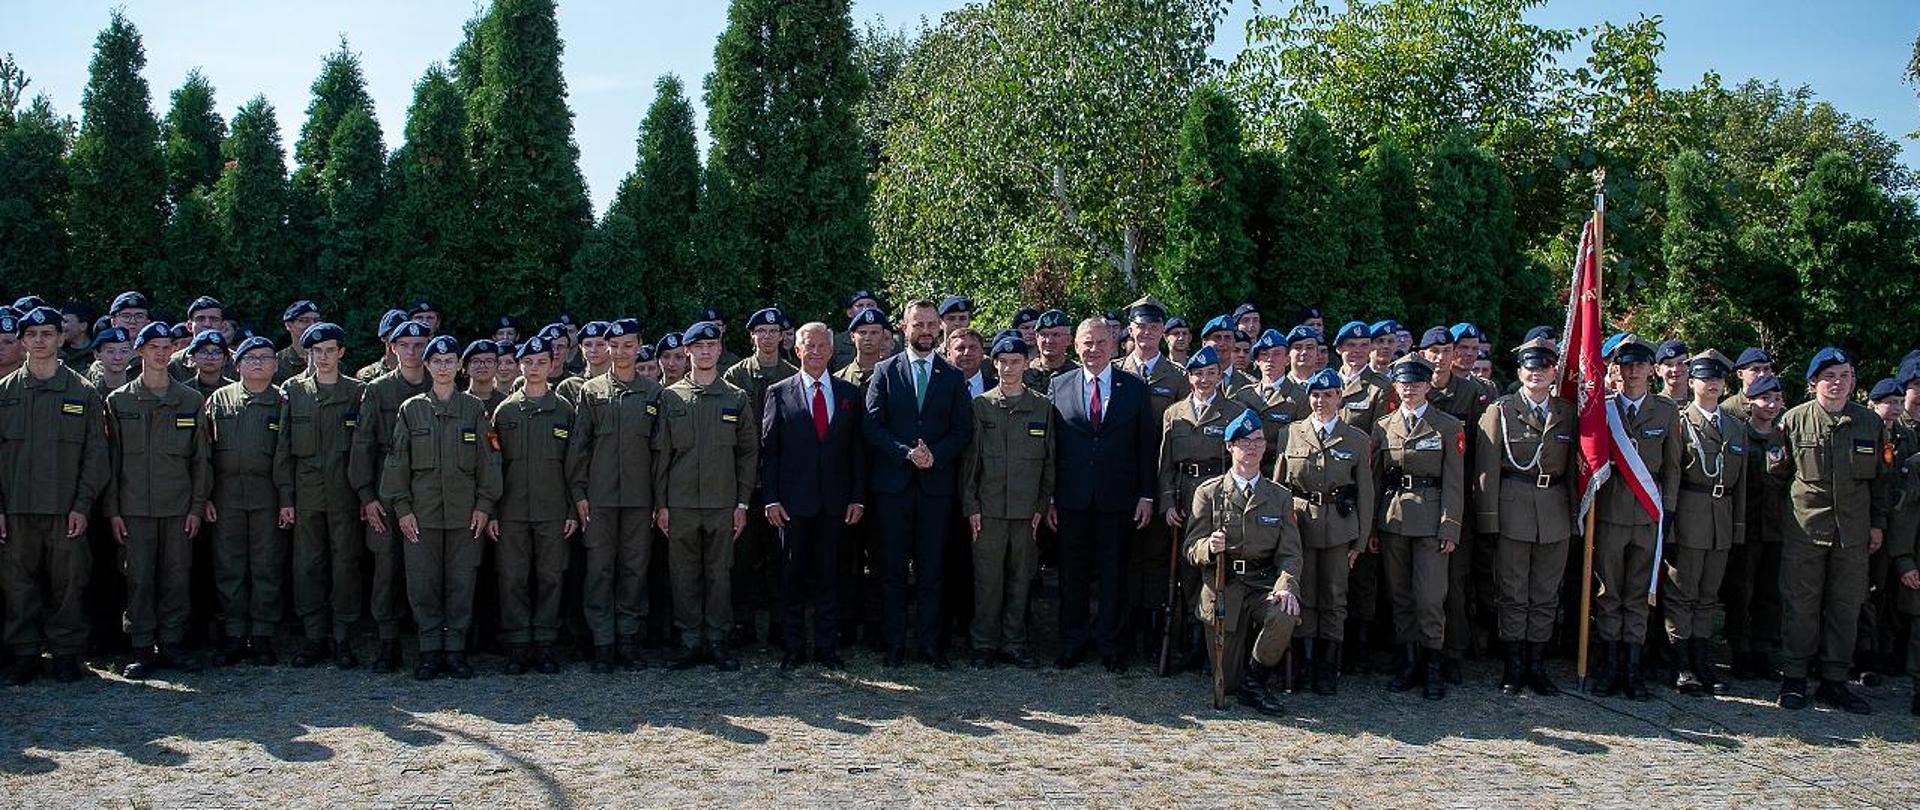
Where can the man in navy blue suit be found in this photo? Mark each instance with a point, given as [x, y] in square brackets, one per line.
[813, 474]
[918, 422]
[1105, 450]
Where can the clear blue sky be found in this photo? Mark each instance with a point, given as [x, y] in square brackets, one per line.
[1851, 52]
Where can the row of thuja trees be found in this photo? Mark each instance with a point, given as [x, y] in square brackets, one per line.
[1423, 159]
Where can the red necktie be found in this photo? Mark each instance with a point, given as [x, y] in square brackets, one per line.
[1093, 405]
[819, 412]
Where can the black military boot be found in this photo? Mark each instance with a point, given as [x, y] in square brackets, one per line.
[544, 659]
[457, 666]
[602, 660]
[343, 657]
[516, 659]
[1254, 692]
[1450, 668]
[1436, 685]
[722, 660]
[1513, 679]
[1355, 661]
[311, 653]
[262, 649]
[1687, 680]
[429, 667]
[1411, 666]
[1537, 670]
[389, 658]
[1793, 693]
[630, 657]
[1636, 684]
[1326, 668]
[23, 670]
[1604, 680]
[1836, 694]
[67, 668]
[690, 657]
[233, 650]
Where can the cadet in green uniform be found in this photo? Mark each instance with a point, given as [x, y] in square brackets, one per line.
[207, 352]
[844, 348]
[291, 361]
[443, 479]
[1624, 534]
[155, 499]
[1419, 451]
[1328, 466]
[1386, 348]
[1751, 590]
[1750, 367]
[1709, 521]
[1903, 526]
[597, 348]
[756, 563]
[205, 316]
[1522, 455]
[372, 443]
[535, 428]
[12, 354]
[709, 453]
[870, 340]
[76, 330]
[112, 350]
[480, 361]
[611, 468]
[317, 425]
[1452, 351]
[1179, 340]
[859, 580]
[53, 467]
[1053, 334]
[243, 423]
[1006, 482]
[1249, 519]
[388, 359]
[1835, 456]
[673, 358]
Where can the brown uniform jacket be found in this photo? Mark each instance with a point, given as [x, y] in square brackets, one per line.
[1261, 539]
[1712, 511]
[1658, 437]
[1166, 384]
[1193, 447]
[1422, 474]
[1511, 501]
[1332, 481]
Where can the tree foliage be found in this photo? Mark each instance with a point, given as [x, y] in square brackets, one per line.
[250, 205]
[193, 131]
[33, 184]
[1206, 265]
[118, 178]
[429, 217]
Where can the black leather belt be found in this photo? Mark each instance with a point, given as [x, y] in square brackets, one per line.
[1406, 482]
[1539, 481]
[1198, 469]
[1241, 568]
[1321, 498]
[1718, 491]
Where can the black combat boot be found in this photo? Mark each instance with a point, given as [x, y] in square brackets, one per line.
[631, 658]
[516, 659]
[67, 668]
[1436, 686]
[722, 660]
[1636, 684]
[389, 658]
[1793, 693]
[233, 650]
[457, 666]
[343, 657]
[1513, 679]
[1412, 665]
[1687, 680]
[1537, 670]
[1450, 668]
[430, 666]
[1703, 666]
[1604, 680]
[1836, 694]
[690, 657]
[1254, 692]
[1326, 668]
[544, 660]
[311, 654]
[602, 660]
[262, 649]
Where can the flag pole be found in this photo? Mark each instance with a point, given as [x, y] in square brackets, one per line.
[1586, 564]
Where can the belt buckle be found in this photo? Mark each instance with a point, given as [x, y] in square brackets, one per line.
[1542, 481]
[1316, 498]
[1406, 482]
[1240, 567]
[1719, 491]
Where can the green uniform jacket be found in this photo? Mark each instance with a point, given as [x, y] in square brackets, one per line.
[1838, 471]
[160, 464]
[754, 377]
[291, 364]
[1509, 501]
[568, 388]
[1007, 470]
[206, 390]
[1904, 433]
[443, 467]
[1193, 447]
[372, 371]
[317, 427]
[1658, 437]
[1166, 384]
[1766, 495]
[709, 446]
[1332, 482]
[1434, 449]
[853, 373]
[1703, 521]
[610, 460]
[96, 376]
[372, 441]
[1261, 532]
[244, 430]
[53, 444]
[1039, 376]
[534, 433]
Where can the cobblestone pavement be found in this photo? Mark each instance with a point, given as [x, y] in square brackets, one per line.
[250, 736]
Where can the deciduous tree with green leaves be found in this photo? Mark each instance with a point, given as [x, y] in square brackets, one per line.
[33, 187]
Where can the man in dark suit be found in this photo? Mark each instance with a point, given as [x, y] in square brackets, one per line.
[1104, 467]
[813, 474]
[918, 422]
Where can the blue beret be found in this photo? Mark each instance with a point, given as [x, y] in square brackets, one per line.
[443, 344]
[1052, 318]
[704, 330]
[28, 303]
[9, 324]
[1411, 368]
[867, 317]
[955, 303]
[712, 314]
[1466, 331]
[1025, 316]
[1670, 350]
[553, 331]
[420, 306]
[112, 334]
[205, 302]
[1325, 379]
[669, 342]
[390, 319]
[533, 345]
[506, 322]
[1437, 336]
[1203, 358]
[251, 344]
[320, 333]
[622, 328]
[1310, 312]
[151, 332]
[130, 299]
[1008, 344]
[1629, 348]
[1177, 322]
[770, 316]
[1220, 323]
[1540, 332]
[1245, 309]
[594, 329]
[1886, 389]
[10, 312]
[862, 295]
[1352, 330]
[205, 338]
[99, 323]
[1300, 334]
[1762, 386]
[1386, 328]
[1751, 355]
[180, 331]
[1612, 342]
[1270, 339]
[299, 309]
[410, 328]
[646, 354]
[1828, 356]
[1245, 425]
[479, 347]
[566, 319]
[1708, 365]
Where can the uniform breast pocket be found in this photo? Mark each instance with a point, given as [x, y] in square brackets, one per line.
[71, 427]
[423, 453]
[302, 438]
[553, 445]
[466, 446]
[1810, 462]
[179, 431]
[1297, 466]
[728, 427]
[1865, 457]
[226, 432]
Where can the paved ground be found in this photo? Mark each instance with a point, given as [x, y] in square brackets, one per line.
[250, 736]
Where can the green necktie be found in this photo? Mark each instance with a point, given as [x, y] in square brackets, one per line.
[920, 384]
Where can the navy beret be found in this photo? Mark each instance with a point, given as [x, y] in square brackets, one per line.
[712, 314]
[180, 331]
[411, 329]
[205, 338]
[251, 344]
[1219, 323]
[1270, 339]
[390, 319]
[646, 354]
[594, 329]
[1352, 330]
[1437, 336]
[130, 299]
[768, 316]
[1829, 356]
[704, 330]
[111, 334]
[443, 344]
[1886, 389]
[1050, 319]
[955, 303]
[506, 322]
[1302, 333]
[506, 346]
[205, 302]
[623, 328]
[479, 347]
[1009, 344]
[149, 333]
[1310, 312]
[566, 319]
[28, 303]
[1245, 309]
[669, 342]
[320, 333]
[1765, 385]
[862, 295]
[553, 331]
[533, 345]
[299, 309]
[1025, 316]
[420, 306]
[1539, 333]
[867, 317]
[1177, 322]
[1752, 355]
[1670, 350]
[1386, 328]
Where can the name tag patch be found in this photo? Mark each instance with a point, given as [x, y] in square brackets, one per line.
[1653, 433]
[1865, 446]
[352, 420]
[1036, 428]
[1736, 449]
[1212, 430]
[652, 409]
[184, 420]
[1563, 438]
[1162, 391]
[561, 431]
[469, 436]
[729, 414]
[1340, 455]
[1269, 520]
[273, 424]
[1428, 443]
[73, 407]
[1357, 406]
[1280, 416]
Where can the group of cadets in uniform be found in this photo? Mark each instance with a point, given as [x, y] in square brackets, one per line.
[1272, 490]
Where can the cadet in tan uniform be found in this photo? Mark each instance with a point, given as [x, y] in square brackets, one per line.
[155, 500]
[1419, 451]
[1624, 552]
[1165, 382]
[443, 479]
[1271, 397]
[317, 425]
[1362, 399]
[534, 426]
[611, 465]
[372, 444]
[1006, 481]
[1670, 363]
[1523, 452]
[53, 467]
[243, 423]
[1751, 590]
[708, 454]
[1709, 521]
[1365, 397]
[1166, 385]
[756, 562]
[1470, 589]
[1840, 494]
[1249, 519]
[1328, 466]
[298, 317]
[1191, 451]
[1054, 337]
